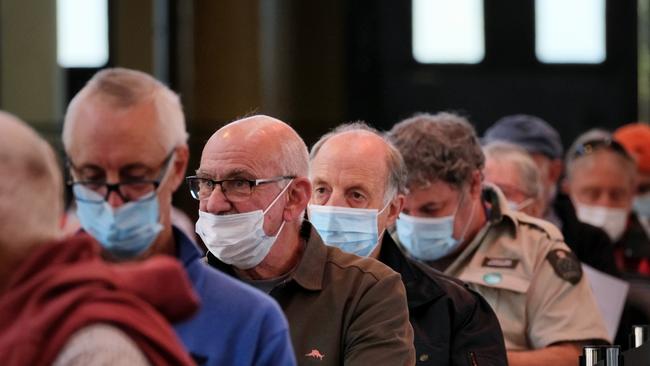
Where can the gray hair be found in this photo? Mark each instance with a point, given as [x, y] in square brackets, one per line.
[442, 146]
[599, 135]
[526, 169]
[31, 190]
[124, 88]
[396, 179]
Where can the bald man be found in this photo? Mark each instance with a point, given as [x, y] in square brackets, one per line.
[124, 134]
[358, 190]
[61, 304]
[253, 189]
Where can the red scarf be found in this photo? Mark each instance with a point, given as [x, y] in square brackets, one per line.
[65, 286]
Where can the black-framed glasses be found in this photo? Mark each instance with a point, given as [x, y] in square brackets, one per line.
[589, 147]
[235, 190]
[99, 191]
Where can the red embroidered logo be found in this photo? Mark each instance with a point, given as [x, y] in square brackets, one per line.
[315, 354]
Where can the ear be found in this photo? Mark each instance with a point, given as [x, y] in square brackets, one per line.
[555, 171]
[179, 166]
[394, 209]
[298, 196]
[476, 184]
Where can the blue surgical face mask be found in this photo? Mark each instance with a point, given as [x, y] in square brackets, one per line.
[353, 230]
[126, 231]
[642, 205]
[429, 239]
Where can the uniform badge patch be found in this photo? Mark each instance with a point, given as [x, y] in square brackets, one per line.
[500, 262]
[566, 265]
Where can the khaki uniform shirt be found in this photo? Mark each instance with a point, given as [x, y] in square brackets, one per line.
[343, 309]
[534, 283]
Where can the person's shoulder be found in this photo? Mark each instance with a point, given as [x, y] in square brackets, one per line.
[457, 291]
[529, 225]
[216, 287]
[359, 266]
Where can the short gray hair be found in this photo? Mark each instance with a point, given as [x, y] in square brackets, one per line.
[441, 146]
[31, 188]
[526, 169]
[396, 179]
[124, 88]
[596, 134]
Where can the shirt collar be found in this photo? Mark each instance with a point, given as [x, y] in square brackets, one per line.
[420, 287]
[311, 268]
[187, 250]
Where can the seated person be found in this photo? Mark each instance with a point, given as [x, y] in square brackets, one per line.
[125, 139]
[635, 137]
[520, 264]
[359, 182]
[601, 181]
[513, 171]
[590, 244]
[61, 304]
[253, 189]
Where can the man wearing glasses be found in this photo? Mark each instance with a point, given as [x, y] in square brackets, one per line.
[125, 140]
[253, 190]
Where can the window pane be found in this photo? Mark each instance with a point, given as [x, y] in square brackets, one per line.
[447, 31]
[82, 33]
[570, 31]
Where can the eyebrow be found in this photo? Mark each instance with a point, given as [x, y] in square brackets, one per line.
[235, 173]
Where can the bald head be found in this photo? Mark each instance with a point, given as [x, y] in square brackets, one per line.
[361, 143]
[266, 140]
[31, 191]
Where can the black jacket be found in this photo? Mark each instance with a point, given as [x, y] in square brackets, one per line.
[452, 324]
[590, 244]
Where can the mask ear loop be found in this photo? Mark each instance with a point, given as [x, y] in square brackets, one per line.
[471, 217]
[525, 203]
[273, 203]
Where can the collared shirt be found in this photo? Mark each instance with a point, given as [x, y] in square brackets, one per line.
[343, 309]
[452, 324]
[236, 324]
[532, 280]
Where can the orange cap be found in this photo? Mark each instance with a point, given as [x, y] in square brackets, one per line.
[635, 137]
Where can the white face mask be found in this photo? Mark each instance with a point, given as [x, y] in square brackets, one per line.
[238, 239]
[612, 220]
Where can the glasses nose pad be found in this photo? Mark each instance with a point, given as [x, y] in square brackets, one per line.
[117, 199]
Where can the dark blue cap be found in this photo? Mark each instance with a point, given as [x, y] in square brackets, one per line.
[531, 133]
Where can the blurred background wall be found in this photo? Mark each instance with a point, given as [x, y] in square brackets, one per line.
[315, 64]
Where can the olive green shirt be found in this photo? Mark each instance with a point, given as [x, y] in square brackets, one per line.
[343, 309]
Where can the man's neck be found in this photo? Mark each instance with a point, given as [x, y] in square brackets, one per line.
[283, 258]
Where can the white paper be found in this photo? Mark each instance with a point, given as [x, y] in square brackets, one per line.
[610, 293]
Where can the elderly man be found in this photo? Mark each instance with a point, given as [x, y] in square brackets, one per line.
[124, 135]
[61, 304]
[358, 182]
[590, 244]
[253, 190]
[601, 181]
[510, 168]
[518, 263]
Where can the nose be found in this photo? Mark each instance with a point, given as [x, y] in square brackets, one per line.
[216, 203]
[336, 199]
[114, 199]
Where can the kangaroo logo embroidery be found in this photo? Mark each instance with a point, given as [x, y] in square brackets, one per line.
[315, 354]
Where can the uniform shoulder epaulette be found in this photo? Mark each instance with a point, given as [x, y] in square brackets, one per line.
[548, 228]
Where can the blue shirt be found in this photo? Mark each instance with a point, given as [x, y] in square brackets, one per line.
[236, 324]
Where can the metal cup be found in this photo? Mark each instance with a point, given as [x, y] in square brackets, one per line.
[591, 355]
[638, 336]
